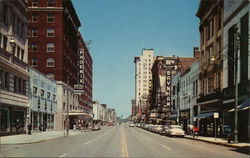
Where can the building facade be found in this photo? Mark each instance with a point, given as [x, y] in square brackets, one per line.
[42, 101]
[14, 76]
[236, 54]
[143, 79]
[53, 50]
[100, 112]
[189, 90]
[210, 14]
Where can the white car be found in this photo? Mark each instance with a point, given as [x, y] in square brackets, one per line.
[174, 130]
[131, 125]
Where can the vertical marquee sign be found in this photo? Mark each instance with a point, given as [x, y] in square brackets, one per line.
[81, 66]
[168, 87]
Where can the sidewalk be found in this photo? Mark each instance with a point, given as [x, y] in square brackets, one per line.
[219, 141]
[34, 137]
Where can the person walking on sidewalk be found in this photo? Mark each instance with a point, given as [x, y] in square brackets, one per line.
[29, 128]
[17, 125]
[195, 131]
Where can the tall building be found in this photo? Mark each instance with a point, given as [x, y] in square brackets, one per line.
[53, 49]
[143, 77]
[236, 22]
[14, 76]
[210, 14]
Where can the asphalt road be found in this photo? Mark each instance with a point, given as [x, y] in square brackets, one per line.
[120, 141]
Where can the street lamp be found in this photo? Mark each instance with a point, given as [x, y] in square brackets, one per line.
[235, 61]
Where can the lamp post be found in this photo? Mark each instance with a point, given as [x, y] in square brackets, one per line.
[67, 121]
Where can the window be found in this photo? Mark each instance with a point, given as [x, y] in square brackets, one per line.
[219, 20]
[20, 85]
[42, 93]
[34, 3]
[34, 47]
[1, 78]
[244, 47]
[24, 87]
[51, 76]
[50, 32]
[54, 97]
[34, 32]
[210, 84]
[50, 47]
[18, 52]
[51, 3]
[34, 90]
[22, 54]
[1, 35]
[48, 95]
[34, 62]
[5, 13]
[50, 18]
[34, 18]
[5, 40]
[15, 84]
[6, 85]
[50, 62]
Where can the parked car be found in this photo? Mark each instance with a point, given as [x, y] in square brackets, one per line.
[158, 129]
[174, 130]
[131, 125]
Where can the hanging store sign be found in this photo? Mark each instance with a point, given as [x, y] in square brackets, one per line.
[168, 88]
[81, 66]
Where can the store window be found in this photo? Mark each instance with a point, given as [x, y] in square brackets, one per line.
[50, 32]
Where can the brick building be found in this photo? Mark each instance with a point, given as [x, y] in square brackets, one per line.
[162, 71]
[53, 49]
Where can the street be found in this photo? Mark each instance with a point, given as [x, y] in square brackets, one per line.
[120, 141]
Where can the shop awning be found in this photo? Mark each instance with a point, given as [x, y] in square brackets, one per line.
[77, 114]
[243, 106]
[204, 115]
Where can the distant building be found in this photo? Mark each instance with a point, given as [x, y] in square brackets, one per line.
[143, 78]
[112, 116]
[100, 112]
[53, 50]
[14, 75]
[42, 101]
[163, 69]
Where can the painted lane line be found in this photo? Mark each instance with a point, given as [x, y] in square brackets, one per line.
[124, 146]
[63, 155]
[164, 146]
[87, 142]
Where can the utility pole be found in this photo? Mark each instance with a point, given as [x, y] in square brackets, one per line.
[67, 121]
[236, 48]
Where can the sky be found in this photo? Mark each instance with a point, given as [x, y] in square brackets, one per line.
[120, 29]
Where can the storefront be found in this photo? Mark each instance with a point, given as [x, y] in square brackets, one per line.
[43, 120]
[13, 119]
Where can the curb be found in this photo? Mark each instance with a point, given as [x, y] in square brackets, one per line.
[218, 143]
[39, 141]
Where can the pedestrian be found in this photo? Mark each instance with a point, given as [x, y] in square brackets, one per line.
[29, 128]
[86, 125]
[80, 127]
[40, 127]
[74, 127]
[195, 131]
[17, 125]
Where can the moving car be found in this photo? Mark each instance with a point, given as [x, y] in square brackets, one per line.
[96, 127]
[174, 130]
